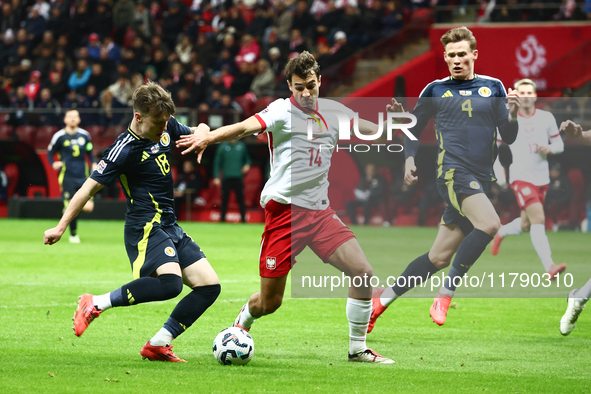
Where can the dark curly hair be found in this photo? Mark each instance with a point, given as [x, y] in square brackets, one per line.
[302, 66]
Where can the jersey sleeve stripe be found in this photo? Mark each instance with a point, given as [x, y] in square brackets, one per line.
[54, 139]
[121, 144]
[262, 122]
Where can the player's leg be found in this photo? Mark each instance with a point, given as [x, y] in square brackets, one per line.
[423, 267]
[539, 239]
[350, 259]
[89, 206]
[576, 301]
[262, 303]
[515, 227]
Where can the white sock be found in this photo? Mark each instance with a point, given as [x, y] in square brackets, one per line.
[585, 291]
[102, 302]
[388, 297]
[541, 244]
[358, 314]
[246, 319]
[513, 228]
[162, 338]
[444, 290]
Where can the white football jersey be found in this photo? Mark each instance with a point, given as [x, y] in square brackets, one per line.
[529, 164]
[299, 166]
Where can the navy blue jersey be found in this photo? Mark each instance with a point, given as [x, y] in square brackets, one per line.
[143, 170]
[72, 150]
[467, 115]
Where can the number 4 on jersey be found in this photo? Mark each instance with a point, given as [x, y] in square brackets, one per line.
[467, 107]
[317, 160]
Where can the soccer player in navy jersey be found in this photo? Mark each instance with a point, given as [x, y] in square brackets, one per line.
[468, 109]
[162, 256]
[72, 144]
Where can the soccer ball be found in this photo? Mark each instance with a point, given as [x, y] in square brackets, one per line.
[233, 346]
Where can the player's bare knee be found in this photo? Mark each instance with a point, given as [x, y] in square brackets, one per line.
[491, 226]
[440, 260]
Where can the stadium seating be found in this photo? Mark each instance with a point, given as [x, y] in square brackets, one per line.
[44, 135]
[6, 132]
[26, 134]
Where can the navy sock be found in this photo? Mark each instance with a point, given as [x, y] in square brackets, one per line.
[73, 226]
[421, 267]
[148, 289]
[190, 308]
[469, 251]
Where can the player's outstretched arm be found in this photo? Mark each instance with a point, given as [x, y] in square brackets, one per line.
[409, 171]
[201, 138]
[88, 189]
[575, 131]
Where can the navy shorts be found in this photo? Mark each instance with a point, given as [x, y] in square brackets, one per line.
[454, 183]
[153, 245]
[70, 186]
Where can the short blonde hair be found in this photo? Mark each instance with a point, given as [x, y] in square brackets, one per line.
[150, 99]
[525, 81]
[459, 34]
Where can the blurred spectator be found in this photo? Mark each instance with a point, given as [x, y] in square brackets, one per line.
[236, 21]
[229, 43]
[133, 63]
[159, 62]
[4, 98]
[108, 66]
[20, 101]
[172, 25]
[82, 22]
[227, 103]
[303, 20]
[62, 63]
[225, 60]
[183, 49]
[112, 48]
[214, 100]
[80, 77]
[142, 22]
[249, 51]
[206, 51]
[91, 101]
[329, 21]
[371, 192]
[176, 72]
[283, 21]
[233, 162]
[428, 200]
[73, 100]
[43, 62]
[47, 42]
[57, 86]
[350, 23]
[21, 73]
[42, 8]
[276, 63]
[94, 46]
[187, 186]
[216, 83]
[22, 38]
[121, 91]
[150, 74]
[112, 115]
[35, 26]
[48, 103]
[34, 85]
[296, 42]
[97, 78]
[242, 82]
[102, 20]
[8, 20]
[123, 14]
[264, 82]
[3, 186]
[341, 49]
[58, 22]
[259, 24]
[393, 20]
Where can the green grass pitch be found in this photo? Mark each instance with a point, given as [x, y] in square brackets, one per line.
[487, 344]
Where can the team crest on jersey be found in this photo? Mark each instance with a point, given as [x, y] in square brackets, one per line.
[100, 167]
[165, 139]
[169, 251]
[155, 148]
[80, 140]
[474, 185]
[271, 263]
[465, 93]
[484, 91]
[314, 124]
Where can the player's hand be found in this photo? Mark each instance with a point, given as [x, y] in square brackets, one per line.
[217, 182]
[572, 129]
[544, 149]
[57, 165]
[514, 102]
[52, 235]
[409, 171]
[395, 106]
[196, 142]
